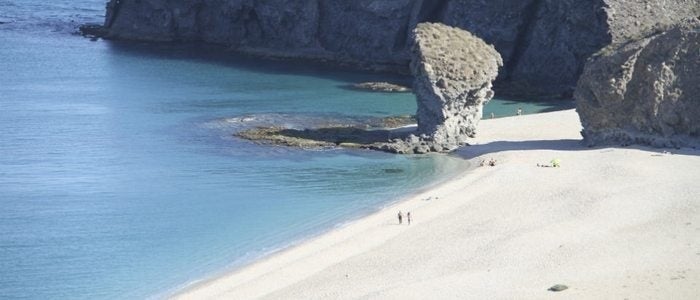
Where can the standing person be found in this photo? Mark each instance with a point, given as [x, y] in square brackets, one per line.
[520, 111]
[400, 217]
[408, 217]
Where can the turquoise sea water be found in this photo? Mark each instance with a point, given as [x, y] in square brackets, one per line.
[119, 174]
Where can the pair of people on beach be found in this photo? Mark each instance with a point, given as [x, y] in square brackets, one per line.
[492, 162]
[408, 218]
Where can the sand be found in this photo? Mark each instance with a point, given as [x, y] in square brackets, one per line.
[610, 223]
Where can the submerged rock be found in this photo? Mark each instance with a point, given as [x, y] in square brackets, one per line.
[453, 73]
[92, 30]
[318, 138]
[372, 134]
[644, 92]
[282, 137]
[381, 87]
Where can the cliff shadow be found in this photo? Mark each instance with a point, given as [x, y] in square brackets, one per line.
[472, 151]
[476, 150]
[220, 55]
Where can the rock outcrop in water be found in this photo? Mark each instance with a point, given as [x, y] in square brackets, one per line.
[544, 43]
[453, 73]
[644, 92]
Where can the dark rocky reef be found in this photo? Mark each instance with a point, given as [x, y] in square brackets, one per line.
[544, 43]
[453, 73]
[644, 92]
[92, 30]
[371, 135]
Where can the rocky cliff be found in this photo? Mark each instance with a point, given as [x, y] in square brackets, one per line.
[453, 73]
[544, 43]
[644, 92]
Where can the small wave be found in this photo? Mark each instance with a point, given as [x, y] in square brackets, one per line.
[294, 121]
[243, 119]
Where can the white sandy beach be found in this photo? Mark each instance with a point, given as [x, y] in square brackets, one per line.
[610, 223]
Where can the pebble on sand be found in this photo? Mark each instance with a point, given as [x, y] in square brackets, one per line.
[557, 288]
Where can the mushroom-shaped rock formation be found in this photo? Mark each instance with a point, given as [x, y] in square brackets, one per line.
[644, 92]
[453, 73]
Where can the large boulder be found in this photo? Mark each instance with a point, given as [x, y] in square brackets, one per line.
[644, 92]
[453, 72]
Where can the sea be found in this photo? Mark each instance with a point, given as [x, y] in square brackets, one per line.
[121, 177]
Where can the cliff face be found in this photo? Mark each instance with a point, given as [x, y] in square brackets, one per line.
[369, 34]
[644, 92]
[636, 19]
[544, 43]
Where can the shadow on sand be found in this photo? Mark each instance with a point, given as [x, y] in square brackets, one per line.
[472, 151]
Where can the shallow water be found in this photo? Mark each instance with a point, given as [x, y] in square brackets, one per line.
[119, 174]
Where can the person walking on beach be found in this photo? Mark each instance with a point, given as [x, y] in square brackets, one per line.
[408, 217]
[400, 217]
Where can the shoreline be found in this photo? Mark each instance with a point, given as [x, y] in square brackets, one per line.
[597, 224]
[178, 291]
[379, 211]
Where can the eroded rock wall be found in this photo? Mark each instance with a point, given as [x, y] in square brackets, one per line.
[644, 92]
[635, 19]
[364, 34]
[544, 43]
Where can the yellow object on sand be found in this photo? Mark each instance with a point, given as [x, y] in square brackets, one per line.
[556, 163]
